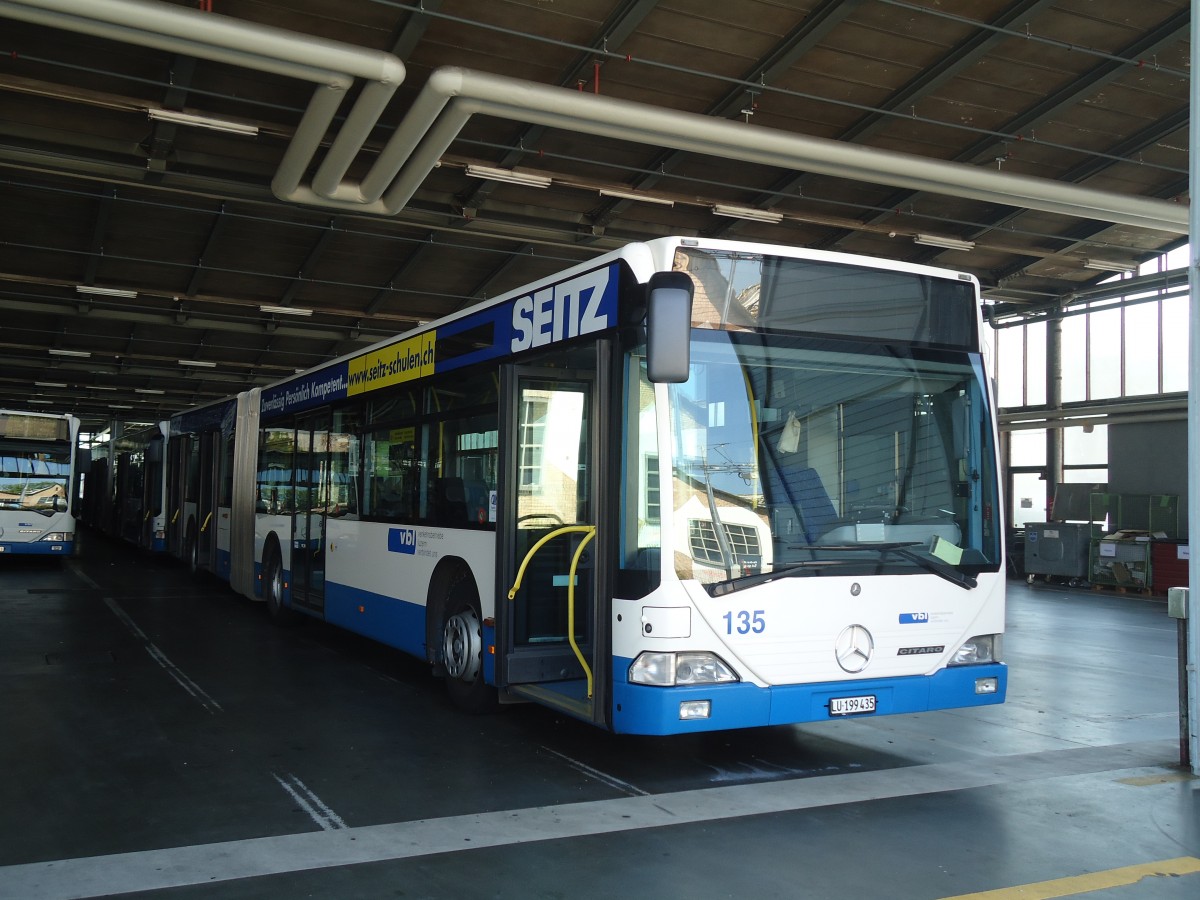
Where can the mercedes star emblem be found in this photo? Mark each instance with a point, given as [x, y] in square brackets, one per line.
[853, 648]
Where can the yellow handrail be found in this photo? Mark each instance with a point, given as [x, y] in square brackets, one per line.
[207, 519]
[590, 531]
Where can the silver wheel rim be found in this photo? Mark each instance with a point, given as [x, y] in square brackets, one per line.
[462, 645]
[276, 586]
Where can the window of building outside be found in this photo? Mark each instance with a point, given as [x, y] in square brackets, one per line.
[1111, 351]
[1085, 454]
[1027, 476]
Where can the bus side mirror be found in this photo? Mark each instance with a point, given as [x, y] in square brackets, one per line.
[668, 327]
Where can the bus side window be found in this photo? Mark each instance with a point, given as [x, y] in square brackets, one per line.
[344, 456]
[449, 502]
[392, 501]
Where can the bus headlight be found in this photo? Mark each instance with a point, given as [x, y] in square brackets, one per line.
[667, 669]
[983, 648]
[57, 537]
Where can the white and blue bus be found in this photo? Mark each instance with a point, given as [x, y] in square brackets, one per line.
[689, 485]
[199, 479]
[126, 484]
[37, 483]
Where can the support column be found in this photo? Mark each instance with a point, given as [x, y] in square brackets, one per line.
[1054, 435]
[1193, 488]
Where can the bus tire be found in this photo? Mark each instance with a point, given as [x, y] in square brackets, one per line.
[272, 586]
[191, 550]
[462, 651]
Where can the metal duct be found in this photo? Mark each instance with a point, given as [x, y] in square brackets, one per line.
[331, 65]
[453, 95]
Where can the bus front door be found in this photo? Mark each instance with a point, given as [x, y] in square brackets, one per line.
[550, 649]
[308, 516]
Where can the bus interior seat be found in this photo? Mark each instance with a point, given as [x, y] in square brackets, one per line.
[817, 512]
[449, 501]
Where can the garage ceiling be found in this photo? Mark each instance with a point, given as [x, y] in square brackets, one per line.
[178, 226]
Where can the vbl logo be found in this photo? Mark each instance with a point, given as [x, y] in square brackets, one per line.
[402, 540]
[913, 618]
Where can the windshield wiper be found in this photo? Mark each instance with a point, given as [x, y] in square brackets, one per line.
[939, 568]
[900, 548]
[789, 571]
[881, 546]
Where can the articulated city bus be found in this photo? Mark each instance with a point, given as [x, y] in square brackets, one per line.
[37, 483]
[689, 485]
[126, 484]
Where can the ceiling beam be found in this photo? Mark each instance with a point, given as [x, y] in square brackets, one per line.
[815, 27]
[167, 317]
[1070, 95]
[310, 263]
[613, 32]
[483, 288]
[104, 204]
[408, 35]
[210, 241]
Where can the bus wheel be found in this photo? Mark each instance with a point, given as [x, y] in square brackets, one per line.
[462, 657]
[272, 581]
[191, 549]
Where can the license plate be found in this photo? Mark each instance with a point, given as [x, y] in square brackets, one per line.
[851, 706]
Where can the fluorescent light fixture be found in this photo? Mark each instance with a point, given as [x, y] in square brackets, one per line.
[946, 243]
[748, 212]
[632, 195]
[148, 391]
[57, 384]
[119, 406]
[100, 387]
[103, 291]
[210, 122]
[286, 310]
[509, 176]
[1108, 265]
[198, 363]
[83, 354]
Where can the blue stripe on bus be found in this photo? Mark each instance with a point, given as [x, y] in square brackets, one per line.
[224, 565]
[38, 548]
[385, 619]
[640, 709]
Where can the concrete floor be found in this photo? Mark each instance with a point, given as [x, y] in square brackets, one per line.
[161, 738]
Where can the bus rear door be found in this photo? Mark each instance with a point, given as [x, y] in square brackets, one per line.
[312, 498]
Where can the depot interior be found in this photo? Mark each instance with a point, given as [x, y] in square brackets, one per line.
[164, 242]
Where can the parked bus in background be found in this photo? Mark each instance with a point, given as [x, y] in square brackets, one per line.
[126, 481]
[689, 485]
[37, 483]
[199, 481]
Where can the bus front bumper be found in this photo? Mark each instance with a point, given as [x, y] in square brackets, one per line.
[640, 709]
[37, 548]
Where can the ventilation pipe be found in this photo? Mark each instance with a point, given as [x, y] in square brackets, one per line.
[332, 66]
[452, 95]
[461, 93]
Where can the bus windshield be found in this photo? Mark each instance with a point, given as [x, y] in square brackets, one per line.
[742, 291]
[829, 457]
[34, 478]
